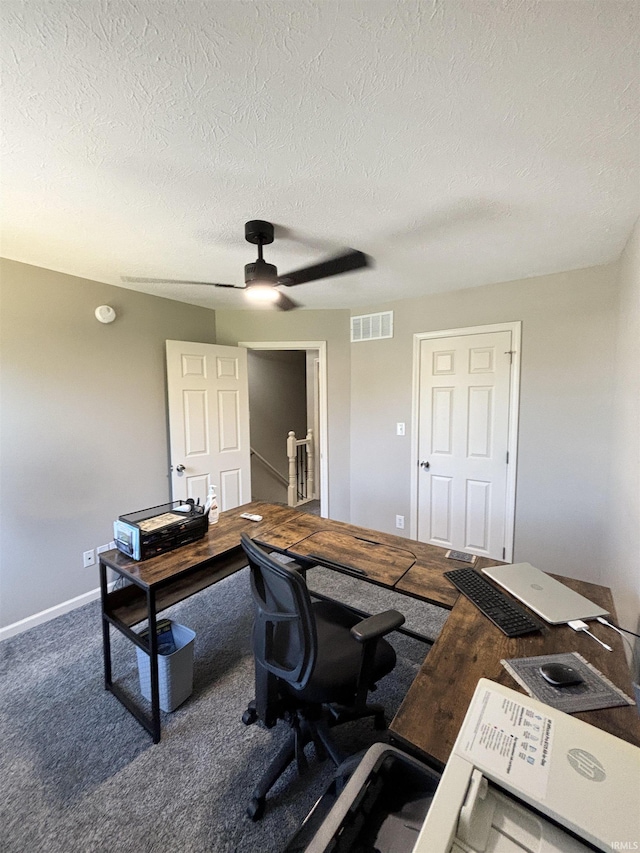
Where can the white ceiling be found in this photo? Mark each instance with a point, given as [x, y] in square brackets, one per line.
[458, 142]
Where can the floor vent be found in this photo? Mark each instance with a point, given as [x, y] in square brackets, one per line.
[372, 327]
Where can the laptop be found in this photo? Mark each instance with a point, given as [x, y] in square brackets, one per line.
[547, 597]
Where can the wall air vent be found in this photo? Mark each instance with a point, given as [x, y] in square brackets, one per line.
[372, 327]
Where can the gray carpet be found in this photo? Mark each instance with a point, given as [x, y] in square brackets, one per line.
[79, 774]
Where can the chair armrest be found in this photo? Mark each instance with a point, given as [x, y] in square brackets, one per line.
[377, 626]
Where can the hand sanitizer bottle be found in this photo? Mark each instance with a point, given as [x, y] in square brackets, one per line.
[212, 500]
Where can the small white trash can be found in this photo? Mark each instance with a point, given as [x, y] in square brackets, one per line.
[175, 671]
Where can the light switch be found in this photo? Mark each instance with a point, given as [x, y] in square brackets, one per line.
[399, 429]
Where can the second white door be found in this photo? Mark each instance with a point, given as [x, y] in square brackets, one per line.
[463, 441]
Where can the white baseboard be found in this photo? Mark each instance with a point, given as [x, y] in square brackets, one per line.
[50, 613]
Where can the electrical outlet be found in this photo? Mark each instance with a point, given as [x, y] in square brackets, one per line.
[399, 429]
[89, 558]
[102, 548]
[400, 522]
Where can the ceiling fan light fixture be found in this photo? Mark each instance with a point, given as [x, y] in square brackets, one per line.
[261, 279]
[262, 293]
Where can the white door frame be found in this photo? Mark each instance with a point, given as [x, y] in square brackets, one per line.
[321, 346]
[512, 446]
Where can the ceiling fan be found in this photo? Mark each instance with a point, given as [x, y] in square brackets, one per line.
[261, 279]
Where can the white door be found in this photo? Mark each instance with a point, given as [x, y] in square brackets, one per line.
[463, 442]
[208, 400]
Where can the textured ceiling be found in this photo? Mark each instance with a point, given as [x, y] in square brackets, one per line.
[458, 142]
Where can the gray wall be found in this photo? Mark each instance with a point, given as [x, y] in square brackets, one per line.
[277, 404]
[568, 381]
[568, 346]
[623, 563]
[329, 326]
[84, 422]
[83, 429]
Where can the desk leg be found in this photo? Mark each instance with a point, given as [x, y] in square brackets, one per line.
[106, 637]
[151, 725]
[153, 666]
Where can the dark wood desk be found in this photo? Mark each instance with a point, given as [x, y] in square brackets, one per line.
[410, 567]
[471, 647]
[468, 648]
[157, 583]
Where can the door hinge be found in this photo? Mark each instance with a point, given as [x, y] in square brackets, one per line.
[504, 553]
[507, 457]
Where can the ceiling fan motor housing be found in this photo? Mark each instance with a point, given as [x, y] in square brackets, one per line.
[260, 272]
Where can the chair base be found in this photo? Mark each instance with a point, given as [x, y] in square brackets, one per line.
[342, 714]
[306, 730]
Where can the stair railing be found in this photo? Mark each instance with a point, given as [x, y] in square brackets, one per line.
[277, 474]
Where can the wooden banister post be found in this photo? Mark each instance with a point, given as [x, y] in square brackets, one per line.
[291, 454]
[310, 465]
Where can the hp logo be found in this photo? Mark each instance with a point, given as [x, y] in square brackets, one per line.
[586, 765]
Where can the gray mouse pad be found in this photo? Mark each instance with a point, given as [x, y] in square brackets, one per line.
[595, 692]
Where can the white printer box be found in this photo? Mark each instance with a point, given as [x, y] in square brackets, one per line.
[523, 776]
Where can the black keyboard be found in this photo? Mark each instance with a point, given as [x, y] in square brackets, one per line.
[512, 619]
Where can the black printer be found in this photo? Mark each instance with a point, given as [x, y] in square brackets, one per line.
[161, 528]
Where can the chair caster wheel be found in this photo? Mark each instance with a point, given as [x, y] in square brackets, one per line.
[249, 717]
[255, 809]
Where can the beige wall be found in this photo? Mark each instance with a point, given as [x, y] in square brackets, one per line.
[83, 430]
[329, 326]
[568, 342]
[623, 566]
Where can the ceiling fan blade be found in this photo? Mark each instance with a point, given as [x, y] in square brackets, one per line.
[351, 260]
[285, 304]
[135, 280]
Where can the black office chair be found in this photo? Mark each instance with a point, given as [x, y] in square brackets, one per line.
[315, 662]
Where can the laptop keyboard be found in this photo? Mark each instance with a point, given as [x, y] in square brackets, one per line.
[505, 614]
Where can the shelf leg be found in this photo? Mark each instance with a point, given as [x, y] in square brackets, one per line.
[153, 665]
[106, 636]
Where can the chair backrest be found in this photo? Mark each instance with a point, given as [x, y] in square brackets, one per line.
[284, 634]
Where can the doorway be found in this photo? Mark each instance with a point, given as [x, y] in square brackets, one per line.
[309, 357]
[465, 403]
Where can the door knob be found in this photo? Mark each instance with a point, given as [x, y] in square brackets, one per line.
[180, 468]
[425, 465]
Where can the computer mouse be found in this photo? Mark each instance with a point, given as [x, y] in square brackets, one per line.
[560, 675]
